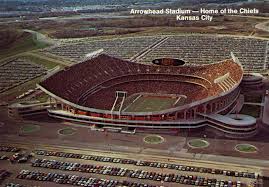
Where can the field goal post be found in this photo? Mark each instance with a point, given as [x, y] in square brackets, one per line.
[119, 95]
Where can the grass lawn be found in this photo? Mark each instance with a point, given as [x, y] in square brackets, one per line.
[43, 98]
[30, 128]
[24, 44]
[246, 148]
[39, 60]
[67, 131]
[198, 143]
[153, 139]
[149, 104]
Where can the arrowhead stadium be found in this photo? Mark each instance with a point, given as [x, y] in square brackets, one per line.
[110, 92]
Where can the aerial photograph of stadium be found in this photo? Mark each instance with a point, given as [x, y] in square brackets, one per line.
[134, 93]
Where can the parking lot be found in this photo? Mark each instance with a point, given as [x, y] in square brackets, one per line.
[57, 168]
[18, 71]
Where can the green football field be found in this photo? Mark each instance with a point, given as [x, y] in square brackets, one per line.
[149, 104]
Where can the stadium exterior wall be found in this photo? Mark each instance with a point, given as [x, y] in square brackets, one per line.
[194, 121]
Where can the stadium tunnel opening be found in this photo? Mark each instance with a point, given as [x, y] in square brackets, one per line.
[168, 62]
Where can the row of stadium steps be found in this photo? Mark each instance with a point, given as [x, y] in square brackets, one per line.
[232, 126]
[227, 84]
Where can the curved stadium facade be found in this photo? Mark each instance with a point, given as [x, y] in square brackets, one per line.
[112, 92]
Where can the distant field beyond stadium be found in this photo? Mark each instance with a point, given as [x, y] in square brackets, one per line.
[150, 103]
